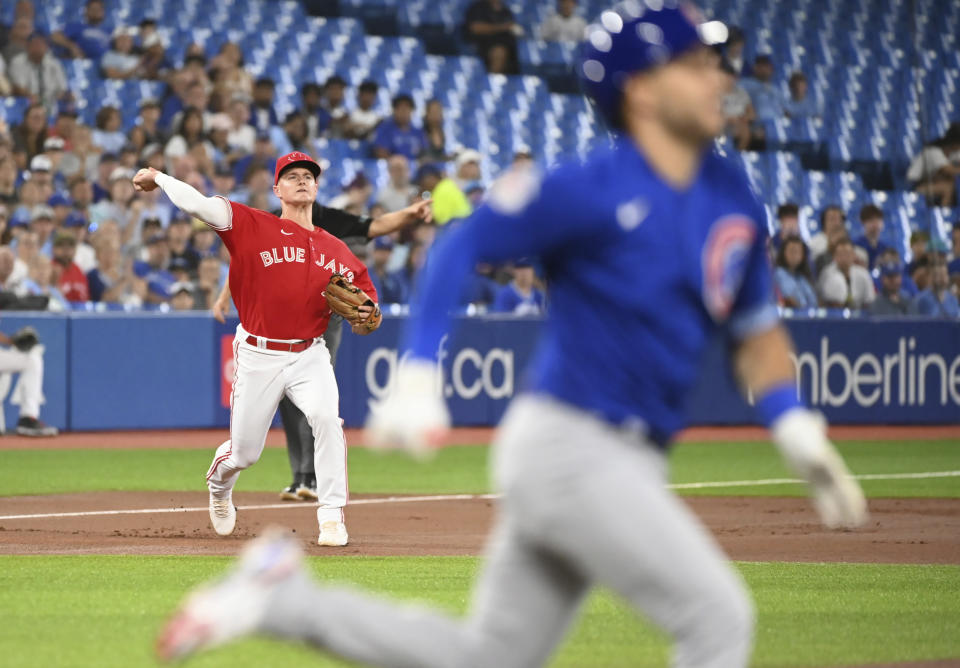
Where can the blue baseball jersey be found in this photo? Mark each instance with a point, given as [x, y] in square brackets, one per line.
[653, 271]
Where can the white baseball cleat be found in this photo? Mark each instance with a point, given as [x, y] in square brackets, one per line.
[236, 604]
[333, 534]
[223, 515]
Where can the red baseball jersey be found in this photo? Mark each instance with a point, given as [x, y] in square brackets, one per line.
[279, 270]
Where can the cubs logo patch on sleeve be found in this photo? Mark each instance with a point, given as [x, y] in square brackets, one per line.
[724, 262]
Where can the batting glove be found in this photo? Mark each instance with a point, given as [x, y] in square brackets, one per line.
[412, 416]
[801, 436]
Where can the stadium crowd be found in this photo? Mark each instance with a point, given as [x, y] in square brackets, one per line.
[74, 233]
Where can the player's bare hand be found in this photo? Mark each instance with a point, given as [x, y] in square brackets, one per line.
[421, 211]
[801, 436]
[145, 180]
[413, 415]
[219, 309]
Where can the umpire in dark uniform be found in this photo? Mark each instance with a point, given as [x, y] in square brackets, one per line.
[299, 435]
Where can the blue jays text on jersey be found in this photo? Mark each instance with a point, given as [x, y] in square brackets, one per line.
[640, 274]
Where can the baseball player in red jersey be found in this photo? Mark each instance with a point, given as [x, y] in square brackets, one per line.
[279, 269]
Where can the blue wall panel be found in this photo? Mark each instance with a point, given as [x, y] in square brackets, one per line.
[142, 372]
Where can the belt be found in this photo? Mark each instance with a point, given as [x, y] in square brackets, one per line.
[284, 346]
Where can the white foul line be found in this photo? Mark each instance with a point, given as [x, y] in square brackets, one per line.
[473, 497]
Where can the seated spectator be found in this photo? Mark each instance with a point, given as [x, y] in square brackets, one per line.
[88, 38]
[489, 25]
[844, 283]
[942, 188]
[84, 156]
[919, 271]
[953, 267]
[208, 282]
[40, 178]
[520, 296]
[121, 204]
[936, 301]
[398, 134]
[467, 164]
[891, 299]
[64, 125]
[792, 275]
[243, 136]
[940, 155]
[399, 192]
[871, 217]
[800, 105]
[29, 136]
[788, 224]
[8, 182]
[68, 277]
[197, 97]
[181, 298]
[436, 149]
[75, 225]
[733, 52]
[449, 202]
[154, 270]
[364, 119]
[262, 114]
[108, 281]
[27, 248]
[17, 38]
[178, 239]
[53, 151]
[564, 25]
[295, 135]
[218, 146]
[919, 245]
[891, 256]
[109, 132]
[738, 112]
[154, 63]
[5, 87]
[189, 134]
[765, 95]
[39, 282]
[389, 286]
[833, 225]
[355, 197]
[120, 62]
[229, 74]
[41, 222]
[334, 94]
[311, 95]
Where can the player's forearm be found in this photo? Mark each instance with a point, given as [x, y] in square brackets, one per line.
[214, 211]
[387, 223]
[440, 285]
[762, 360]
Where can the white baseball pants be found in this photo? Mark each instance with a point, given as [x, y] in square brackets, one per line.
[30, 367]
[261, 378]
[584, 504]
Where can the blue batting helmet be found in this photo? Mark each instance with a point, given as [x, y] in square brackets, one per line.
[634, 36]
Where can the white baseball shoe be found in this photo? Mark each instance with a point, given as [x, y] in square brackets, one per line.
[223, 515]
[333, 534]
[234, 605]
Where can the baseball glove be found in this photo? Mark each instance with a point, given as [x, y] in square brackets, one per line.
[345, 299]
[25, 339]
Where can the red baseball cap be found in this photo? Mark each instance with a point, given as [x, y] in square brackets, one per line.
[295, 159]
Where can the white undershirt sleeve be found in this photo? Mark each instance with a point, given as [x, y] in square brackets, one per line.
[214, 211]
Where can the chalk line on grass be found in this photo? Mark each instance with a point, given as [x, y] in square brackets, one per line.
[472, 497]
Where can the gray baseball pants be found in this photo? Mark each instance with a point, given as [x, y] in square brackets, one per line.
[584, 504]
[295, 426]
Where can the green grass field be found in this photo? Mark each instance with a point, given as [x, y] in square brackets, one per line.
[105, 610]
